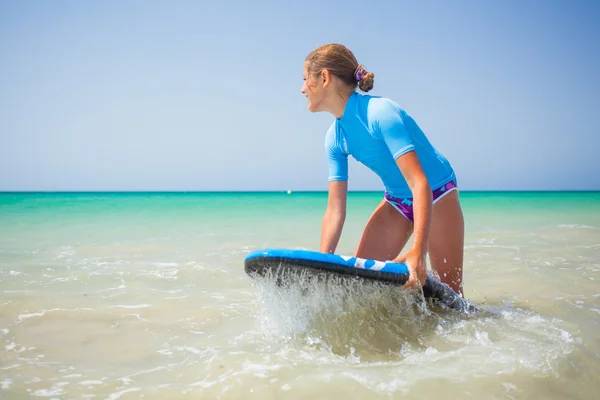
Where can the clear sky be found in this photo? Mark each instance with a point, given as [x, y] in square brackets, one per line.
[205, 95]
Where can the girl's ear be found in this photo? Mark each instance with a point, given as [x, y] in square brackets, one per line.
[325, 77]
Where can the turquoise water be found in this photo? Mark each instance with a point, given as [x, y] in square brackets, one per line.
[119, 295]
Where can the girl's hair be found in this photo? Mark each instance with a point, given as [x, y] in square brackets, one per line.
[340, 61]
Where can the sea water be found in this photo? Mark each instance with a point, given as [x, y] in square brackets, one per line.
[144, 295]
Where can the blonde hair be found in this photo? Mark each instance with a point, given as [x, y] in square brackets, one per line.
[340, 61]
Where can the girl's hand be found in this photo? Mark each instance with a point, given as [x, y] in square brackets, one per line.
[415, 261]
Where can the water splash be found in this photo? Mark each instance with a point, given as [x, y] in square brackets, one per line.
[370, 322]
[348, 316]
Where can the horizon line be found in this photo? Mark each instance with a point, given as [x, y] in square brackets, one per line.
[279, 191]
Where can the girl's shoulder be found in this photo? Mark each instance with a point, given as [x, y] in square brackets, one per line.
[379, 106]
[377, 109]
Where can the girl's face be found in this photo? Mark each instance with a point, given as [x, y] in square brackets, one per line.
[315, 89]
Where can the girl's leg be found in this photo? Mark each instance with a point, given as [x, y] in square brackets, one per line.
[385, 234]
[446, 241]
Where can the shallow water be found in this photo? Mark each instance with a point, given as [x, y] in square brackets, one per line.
[129, 296]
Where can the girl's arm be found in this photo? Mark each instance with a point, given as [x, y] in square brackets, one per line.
[422, 199]
[335, 215]
[422, 206]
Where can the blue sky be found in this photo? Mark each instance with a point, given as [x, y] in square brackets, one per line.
[196, 95]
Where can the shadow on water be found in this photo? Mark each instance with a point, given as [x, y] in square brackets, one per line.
[350, 316]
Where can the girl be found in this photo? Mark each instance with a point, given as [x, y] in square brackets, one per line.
[420, 196]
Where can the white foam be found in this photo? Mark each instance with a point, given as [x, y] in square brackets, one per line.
[111, 289]
[191, 349]
[90, 383]
[73, 376]
[165, 264]
[32, 315]
[134, 306]
[127, 379]
[54, 391]
[65, 279]
[18, 291]
[21, 317]
[575, 226]
[166, 291]
[115, 396]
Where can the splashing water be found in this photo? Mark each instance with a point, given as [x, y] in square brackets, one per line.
[373, 322]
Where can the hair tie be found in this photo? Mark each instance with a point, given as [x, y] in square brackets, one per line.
[360, 72]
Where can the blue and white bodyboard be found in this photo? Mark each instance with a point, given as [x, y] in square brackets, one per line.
[277, 261]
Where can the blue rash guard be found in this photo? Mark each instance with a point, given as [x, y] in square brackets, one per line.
[376, 131]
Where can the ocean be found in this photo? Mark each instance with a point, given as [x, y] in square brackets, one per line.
[144, 295]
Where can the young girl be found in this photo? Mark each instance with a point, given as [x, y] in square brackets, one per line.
[420, 196]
